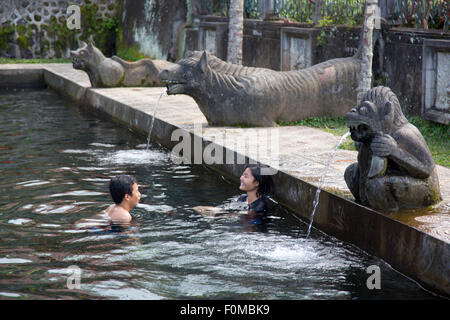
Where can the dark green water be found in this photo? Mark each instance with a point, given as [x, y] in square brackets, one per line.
[55, 164]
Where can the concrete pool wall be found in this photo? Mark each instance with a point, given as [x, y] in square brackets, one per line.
[417, 245]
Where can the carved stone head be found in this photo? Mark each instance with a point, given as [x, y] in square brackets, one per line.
[187, 76]
[379, 112]
[87, 57]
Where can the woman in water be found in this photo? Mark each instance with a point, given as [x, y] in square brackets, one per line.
[258, 187]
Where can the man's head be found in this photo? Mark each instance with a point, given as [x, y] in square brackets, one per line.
[124, 188]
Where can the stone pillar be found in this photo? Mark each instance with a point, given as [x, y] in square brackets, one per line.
[436, 80]
[297, 48]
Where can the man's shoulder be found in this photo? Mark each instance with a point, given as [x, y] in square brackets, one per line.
[109, 209]
[118, 214]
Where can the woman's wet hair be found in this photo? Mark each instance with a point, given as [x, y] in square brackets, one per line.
[266, 185]
[121, 185]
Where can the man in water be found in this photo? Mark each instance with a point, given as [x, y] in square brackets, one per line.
[125, 194]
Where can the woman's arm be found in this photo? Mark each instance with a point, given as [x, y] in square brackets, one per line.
[208, 211]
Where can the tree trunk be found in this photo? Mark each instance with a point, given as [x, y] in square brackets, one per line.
[235, 31]
[365, 80]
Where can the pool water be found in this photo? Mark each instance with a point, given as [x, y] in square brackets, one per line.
[56, 160]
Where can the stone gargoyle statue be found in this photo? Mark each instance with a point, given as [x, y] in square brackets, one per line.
[223, 67]
[114, 72]
[260, 97]
[395, 169]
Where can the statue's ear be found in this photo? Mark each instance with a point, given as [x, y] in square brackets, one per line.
[388, 111]
[203, 62]
[82, 44]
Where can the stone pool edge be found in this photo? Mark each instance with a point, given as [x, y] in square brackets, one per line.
[416, 254]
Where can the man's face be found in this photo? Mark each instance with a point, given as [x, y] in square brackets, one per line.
[135, 196]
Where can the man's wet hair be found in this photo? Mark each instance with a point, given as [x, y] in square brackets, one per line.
[121, 185]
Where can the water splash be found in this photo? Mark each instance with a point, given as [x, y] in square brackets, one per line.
[134, 156]
[322, 180]
[153, 119]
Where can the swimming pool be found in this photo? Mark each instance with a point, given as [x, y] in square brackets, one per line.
[55, 163]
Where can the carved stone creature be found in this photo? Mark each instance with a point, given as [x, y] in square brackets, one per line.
[395, 169]
[115, 72]
[255, 97]
[221, 66]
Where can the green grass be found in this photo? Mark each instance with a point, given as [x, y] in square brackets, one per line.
[10, 60]
[335, 126]
[436, 135]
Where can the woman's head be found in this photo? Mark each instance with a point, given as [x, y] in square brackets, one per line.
[252, 179]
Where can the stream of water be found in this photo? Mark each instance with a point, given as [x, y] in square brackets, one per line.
[322, 180]
[153, 119]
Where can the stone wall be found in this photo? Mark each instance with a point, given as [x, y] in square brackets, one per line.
[397, 51]
[37, 29]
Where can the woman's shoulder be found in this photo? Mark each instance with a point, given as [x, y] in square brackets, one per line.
[259, 205]
[242, 197]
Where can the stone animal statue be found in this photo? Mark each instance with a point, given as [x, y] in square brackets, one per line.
[114, 72]
[395, 169]
[262, 98]
[221, 66]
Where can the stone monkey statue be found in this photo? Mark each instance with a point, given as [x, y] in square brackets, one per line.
[395, 169]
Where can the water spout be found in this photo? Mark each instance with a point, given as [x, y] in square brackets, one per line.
[153, 119]
[322, 180]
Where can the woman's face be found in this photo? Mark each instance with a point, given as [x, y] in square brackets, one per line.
[248, 182]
